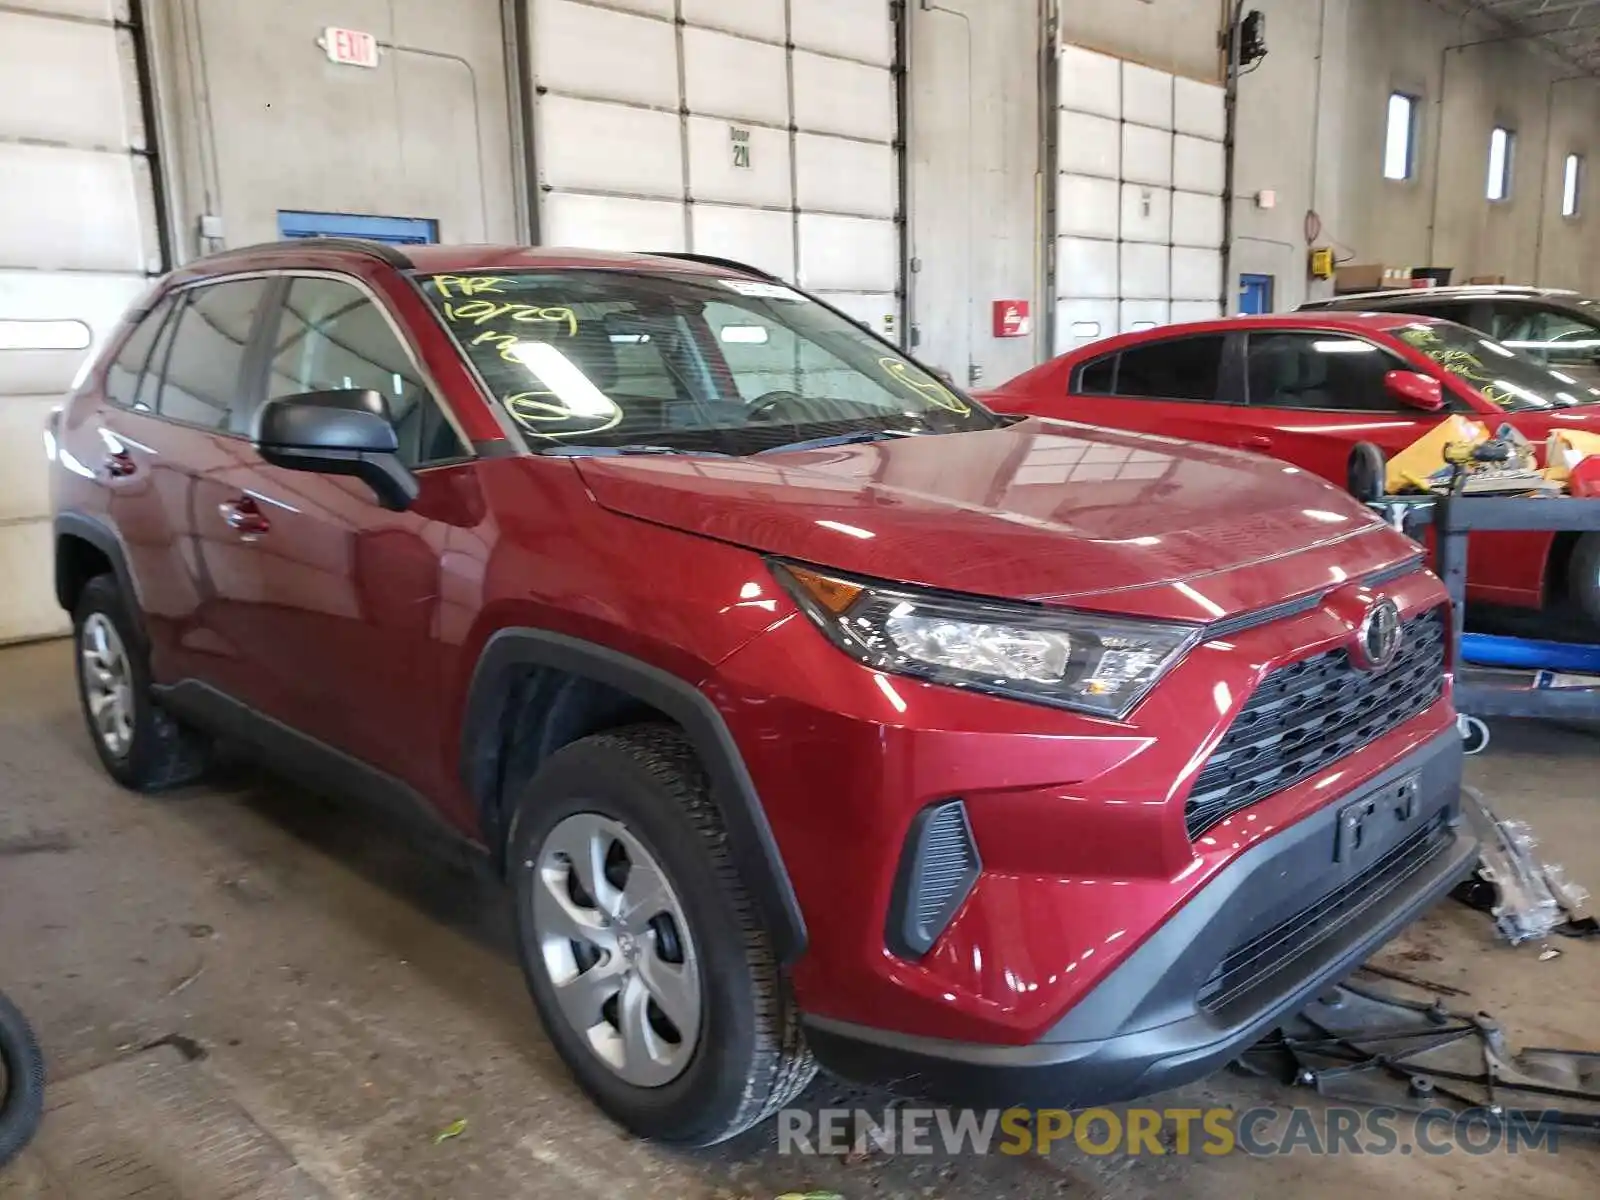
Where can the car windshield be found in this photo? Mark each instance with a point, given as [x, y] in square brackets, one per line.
[597, 361]
[1505, 378]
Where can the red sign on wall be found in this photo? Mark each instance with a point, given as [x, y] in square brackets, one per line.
[351, 47]
[1011, 319]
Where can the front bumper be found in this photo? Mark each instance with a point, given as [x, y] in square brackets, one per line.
[1291, 915]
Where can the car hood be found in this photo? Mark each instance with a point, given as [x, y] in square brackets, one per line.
[1039, 510]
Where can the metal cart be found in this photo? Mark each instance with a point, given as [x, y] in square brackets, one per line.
[1479, 692]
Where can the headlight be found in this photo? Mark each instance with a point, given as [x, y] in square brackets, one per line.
[1083, 661]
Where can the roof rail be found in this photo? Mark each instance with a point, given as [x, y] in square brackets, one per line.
[711, 260]
[386, 251]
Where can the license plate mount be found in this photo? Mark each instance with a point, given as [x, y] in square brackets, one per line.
[1368, 824]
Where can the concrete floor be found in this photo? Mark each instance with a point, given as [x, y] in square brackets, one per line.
[246, 991]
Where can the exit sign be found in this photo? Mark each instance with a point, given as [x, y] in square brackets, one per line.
[351, 47]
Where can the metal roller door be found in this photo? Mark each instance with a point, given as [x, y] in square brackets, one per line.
[77, 238]
[692, 125]
[1140, 176]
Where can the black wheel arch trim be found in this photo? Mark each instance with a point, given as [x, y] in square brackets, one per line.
[106, 540]
[732, 789]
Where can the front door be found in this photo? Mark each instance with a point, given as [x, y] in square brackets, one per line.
[340, 608]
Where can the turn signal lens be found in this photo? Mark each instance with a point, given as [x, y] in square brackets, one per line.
[833, 595]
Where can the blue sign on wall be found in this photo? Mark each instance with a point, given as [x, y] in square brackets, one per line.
[401, 231]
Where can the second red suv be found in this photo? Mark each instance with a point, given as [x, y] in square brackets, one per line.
[813, 712]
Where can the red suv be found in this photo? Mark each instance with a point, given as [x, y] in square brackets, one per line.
[812, 711]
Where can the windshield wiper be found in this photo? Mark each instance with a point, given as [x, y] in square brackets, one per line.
[841, 439]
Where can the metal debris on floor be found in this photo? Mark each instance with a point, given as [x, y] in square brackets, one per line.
[1528, 897]
[1369, 1047]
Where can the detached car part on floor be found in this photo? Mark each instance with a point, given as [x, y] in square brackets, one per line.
[810, 708]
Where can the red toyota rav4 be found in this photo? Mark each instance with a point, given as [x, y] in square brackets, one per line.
[812, 711]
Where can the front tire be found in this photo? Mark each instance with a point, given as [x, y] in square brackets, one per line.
[655, 979]
[140, 745]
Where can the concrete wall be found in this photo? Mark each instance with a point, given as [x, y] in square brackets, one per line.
[257, 119]
[1311, 127]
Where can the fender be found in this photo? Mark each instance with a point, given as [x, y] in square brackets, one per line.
[106, 540]
[749, 834]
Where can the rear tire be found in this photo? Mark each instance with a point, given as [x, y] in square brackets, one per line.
[1583, 578]
[140, 744]
[637, 799]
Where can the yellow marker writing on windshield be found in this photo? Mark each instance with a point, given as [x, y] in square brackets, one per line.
[466, 285]
[931, 390]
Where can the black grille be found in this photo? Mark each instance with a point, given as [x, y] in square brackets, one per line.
[1309, 714]
[1250, 962]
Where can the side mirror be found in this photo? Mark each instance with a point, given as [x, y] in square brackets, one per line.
[1415, 390]
[344, 432]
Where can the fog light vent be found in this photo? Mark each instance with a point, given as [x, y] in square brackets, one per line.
[938, 867]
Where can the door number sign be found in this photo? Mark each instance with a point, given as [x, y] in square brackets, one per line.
[740, 139]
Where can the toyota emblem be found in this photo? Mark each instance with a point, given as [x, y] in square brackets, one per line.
[1378, 640]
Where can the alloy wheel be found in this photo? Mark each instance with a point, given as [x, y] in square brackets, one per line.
[107, 684]
[616, 946]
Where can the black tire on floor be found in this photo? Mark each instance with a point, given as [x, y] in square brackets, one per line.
[750, 1059]
[162, 753]
[1583, 577]
[23, 1078]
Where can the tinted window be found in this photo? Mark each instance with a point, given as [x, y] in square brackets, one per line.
[1320, 370]
[1098, 378]
[329, 336]
[202, 385]
[1185, 369]
[122, 376]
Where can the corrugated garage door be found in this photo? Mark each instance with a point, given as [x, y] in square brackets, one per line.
[1140, 174]
[77, 234]
[713, 136]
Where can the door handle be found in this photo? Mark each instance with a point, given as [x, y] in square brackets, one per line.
[119, 464]
[242, 516]
[1259, 441]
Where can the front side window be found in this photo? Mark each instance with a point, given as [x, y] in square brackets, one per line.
[202, 383]
[1500, 375]
[587, 360]
[123, 375]
[1320, 371]
[331, 336]
[1098, 378]
[1182, 369]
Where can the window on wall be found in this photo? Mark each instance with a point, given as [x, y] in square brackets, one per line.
[1400, 138]
[1572, 185]
[1502, 145]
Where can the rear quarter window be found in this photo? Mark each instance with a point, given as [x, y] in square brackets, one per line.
[1098, 378]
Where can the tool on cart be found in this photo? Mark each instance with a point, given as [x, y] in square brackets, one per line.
[1370, 1047]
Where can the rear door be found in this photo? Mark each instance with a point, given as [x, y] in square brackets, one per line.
[1176, 387]
[192, 548]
